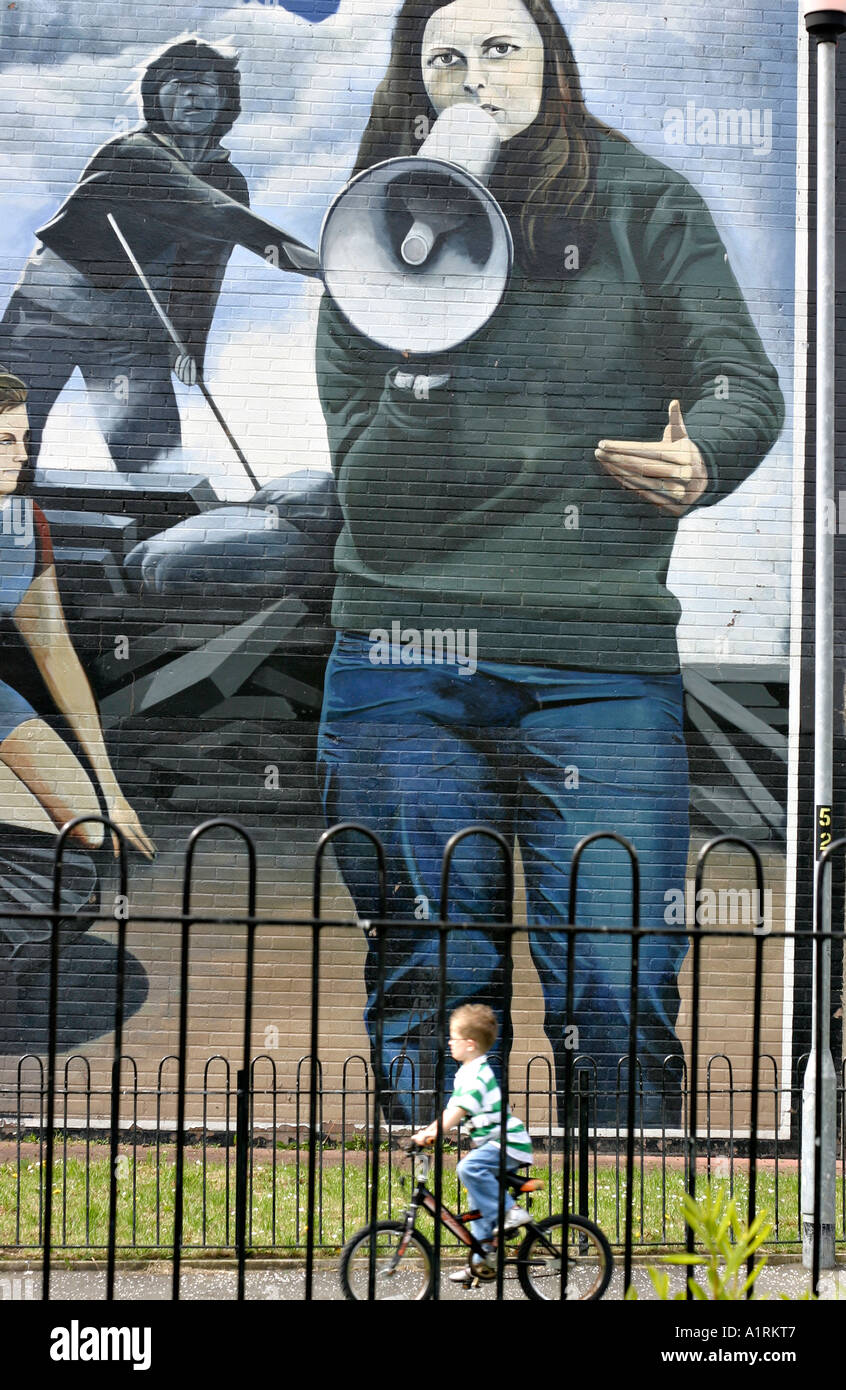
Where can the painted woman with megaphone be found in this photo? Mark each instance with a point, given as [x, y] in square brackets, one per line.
[520, 480]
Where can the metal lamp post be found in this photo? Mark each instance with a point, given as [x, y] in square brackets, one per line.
[825, 25]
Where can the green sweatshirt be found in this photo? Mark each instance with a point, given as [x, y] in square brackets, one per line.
[483, 507]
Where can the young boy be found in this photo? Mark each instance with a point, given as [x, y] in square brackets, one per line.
[476, 1098]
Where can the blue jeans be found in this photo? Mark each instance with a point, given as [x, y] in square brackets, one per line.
[545, 756]
[479, 1172]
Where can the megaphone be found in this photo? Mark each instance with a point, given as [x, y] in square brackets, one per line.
[416, 252]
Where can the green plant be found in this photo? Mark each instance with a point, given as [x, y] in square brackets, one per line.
[726, 1244]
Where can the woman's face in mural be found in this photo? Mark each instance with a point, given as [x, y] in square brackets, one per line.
[191, 103]
[490, 54]
[14, 428]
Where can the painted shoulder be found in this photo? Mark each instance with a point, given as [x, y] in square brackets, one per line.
[126, 145]
[141, 148]
[630, 181]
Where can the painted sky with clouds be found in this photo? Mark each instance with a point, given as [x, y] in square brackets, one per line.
[306, 92]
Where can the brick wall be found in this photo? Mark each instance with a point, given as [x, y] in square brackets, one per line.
[201, 612]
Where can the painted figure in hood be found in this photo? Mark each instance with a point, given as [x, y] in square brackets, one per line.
[182, 205]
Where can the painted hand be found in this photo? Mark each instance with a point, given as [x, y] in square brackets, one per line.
[670, 474]
[185, 368]
[120, 811]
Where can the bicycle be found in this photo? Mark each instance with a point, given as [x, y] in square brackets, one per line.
[404, 1257]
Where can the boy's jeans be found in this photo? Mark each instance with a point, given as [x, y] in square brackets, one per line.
[479, 1172]
[545, 756]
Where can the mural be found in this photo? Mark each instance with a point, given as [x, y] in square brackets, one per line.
[519, 548]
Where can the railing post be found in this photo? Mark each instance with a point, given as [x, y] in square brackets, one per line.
[343, 828]
[721, 841]
[52, 1049]
[819, 1095]
[487, 832]
[636, 934]
[584, 1142]
[242, 1146]
[219, 823]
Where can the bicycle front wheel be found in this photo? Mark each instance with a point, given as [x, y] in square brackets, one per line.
[589, 1260]
[406, 1279]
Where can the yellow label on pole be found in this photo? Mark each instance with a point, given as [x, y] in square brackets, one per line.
[823, 829]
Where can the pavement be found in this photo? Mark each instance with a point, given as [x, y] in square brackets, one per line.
[285, 1281]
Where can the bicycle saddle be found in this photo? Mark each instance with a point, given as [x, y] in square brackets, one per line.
[518, 1182]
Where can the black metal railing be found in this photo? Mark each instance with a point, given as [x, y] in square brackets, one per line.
[277, 1149]
[319, 1120]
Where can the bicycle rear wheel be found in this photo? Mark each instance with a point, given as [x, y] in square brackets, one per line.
[407, 1280]
[589, 1260]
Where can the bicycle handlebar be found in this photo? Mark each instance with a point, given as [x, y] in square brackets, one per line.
[410, 1146]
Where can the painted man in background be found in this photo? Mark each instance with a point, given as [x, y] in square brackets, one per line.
[183, 205]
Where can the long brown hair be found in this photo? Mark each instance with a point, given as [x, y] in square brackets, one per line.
[545, 178]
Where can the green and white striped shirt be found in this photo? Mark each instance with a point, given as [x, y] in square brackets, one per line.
[476, 1090]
